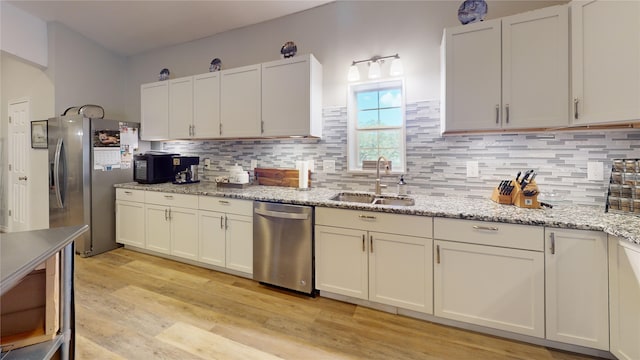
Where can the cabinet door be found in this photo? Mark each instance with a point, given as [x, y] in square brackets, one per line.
[240, 102]
[472, 77]
[495, 287]
[180, 108]
[624, 293]
[239, 245]
[158, 228]
[154, 111]
[130, 223]
[211, 234]
[184, 232]
[206, 105]
[535, 68]
[605, 51]
[286, 97]
[341, 261]
[577, 284]
[400, 271]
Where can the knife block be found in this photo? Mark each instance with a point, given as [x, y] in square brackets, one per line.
[502, 199]
[529, 202]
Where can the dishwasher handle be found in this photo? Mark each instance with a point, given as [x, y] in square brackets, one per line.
[282, 215]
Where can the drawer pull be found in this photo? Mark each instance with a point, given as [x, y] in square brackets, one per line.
[128, 192]
[223, 202]
[169, 197]
[368, 217]
[491, 228]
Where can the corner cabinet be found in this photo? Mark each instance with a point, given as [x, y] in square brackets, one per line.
[509, 73]
[130, 217]
[383, 258]
[240, 102]
[605, 38]
[490, 274]
[624, 297]
[576, 287]
[154, 111]
[292, 97]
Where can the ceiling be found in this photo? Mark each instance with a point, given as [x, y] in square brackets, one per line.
[133, 27]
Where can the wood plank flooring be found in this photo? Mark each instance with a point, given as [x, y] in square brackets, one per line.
[136, 306]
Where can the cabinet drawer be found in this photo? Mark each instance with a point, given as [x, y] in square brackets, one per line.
[490, 233]
[376, 221]
[170, 199]
[226, 205]
[130, 195]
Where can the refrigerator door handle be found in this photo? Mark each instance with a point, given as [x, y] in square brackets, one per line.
[56, 173]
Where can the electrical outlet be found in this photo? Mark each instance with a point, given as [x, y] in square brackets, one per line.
[595, 171]
[472, 169]
[329, 166]
[254, 164]
[207, 163]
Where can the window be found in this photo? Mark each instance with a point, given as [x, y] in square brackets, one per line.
[376, 125]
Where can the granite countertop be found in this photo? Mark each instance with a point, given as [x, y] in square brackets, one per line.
[561, 216]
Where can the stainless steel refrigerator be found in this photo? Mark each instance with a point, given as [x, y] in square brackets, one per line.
[87, 156]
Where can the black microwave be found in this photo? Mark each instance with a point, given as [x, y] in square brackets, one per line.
[153, 167]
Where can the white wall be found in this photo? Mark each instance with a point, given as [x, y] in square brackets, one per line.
[336, 33]
[85, 73]
[21, 79]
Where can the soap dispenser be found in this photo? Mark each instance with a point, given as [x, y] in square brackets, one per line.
[402, 187]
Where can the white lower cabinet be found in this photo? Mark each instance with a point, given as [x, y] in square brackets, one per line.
[391, 267]
[577, 287]
[499, 286]
[171, 226]
[226, 233]
[624, 297]
[130, 217]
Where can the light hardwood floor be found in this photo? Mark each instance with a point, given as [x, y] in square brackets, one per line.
[136, 306]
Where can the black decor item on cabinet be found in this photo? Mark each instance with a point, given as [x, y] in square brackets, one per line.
[471, 11]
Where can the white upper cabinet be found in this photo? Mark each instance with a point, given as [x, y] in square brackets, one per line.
[154, 111]
[509, 73]
[206, 105]
[292, 97]
[605, 38]
[180, 107]
[240, 102]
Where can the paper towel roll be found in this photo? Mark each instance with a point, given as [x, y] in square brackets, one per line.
[303, 175]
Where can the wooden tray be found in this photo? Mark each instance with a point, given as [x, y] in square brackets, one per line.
[278, 177]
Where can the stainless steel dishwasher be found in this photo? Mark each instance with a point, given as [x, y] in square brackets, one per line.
[283, 246]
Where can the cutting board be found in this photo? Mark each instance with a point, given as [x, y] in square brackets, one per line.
[278, 177]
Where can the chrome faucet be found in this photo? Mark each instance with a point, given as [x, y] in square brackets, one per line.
[378, 190]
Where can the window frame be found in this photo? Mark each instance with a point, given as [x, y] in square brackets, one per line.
[352, 132]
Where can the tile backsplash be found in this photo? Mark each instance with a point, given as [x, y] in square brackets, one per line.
[437, 165]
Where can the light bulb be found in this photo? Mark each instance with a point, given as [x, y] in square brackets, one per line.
[396, 67]
[374, 70]
[354, 74]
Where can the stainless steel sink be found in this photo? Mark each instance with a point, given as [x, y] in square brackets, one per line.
[372, 199]
[354, 197]
[401, 201]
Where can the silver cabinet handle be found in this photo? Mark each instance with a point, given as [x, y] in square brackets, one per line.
[575, 108]
[170, 216]
[281, 214]
[437, 254]
[129, 192]
[262, 127]
[226, 222]
[367, 217]
[221, 223]
[166, 214]
[552, 237]
[371, 243]
[220, 129]
[507, 111]
[363, 250]
[223, 202]
[22, 178]
[169, 197]
[497, 113]
[491, 228]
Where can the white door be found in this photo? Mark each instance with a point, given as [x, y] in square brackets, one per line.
[154, 111]
[181, 108]
[130, 223]
[19, 150]
[211, 234]
[240, 102]
[239, 245]
[184, 232]
[158, 228]
[206, 105]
